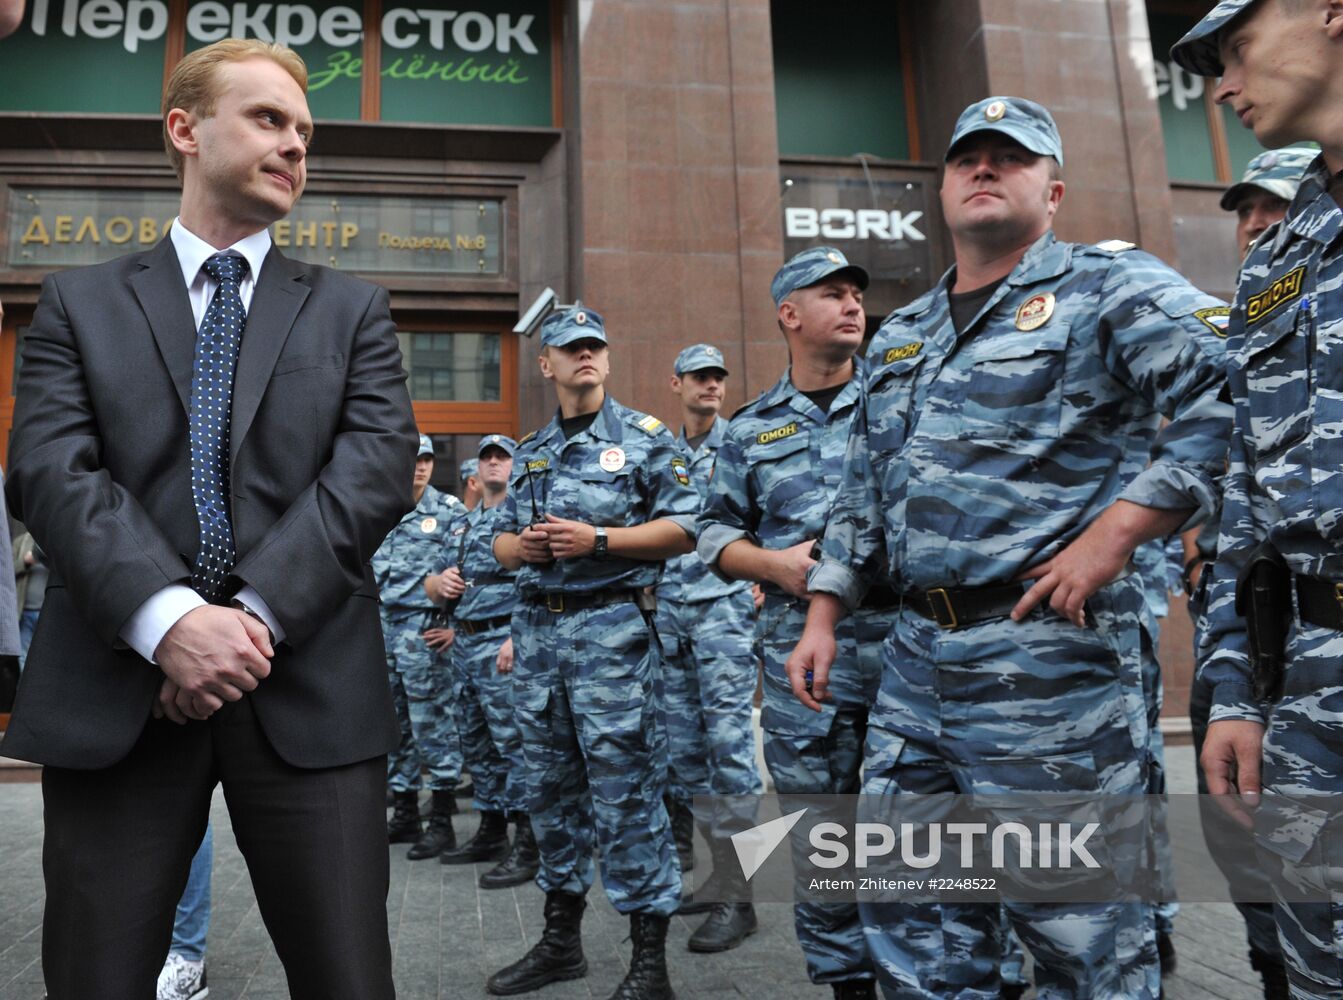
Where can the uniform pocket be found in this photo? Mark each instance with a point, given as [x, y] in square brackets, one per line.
[1276, 361]
[782, 470]
[890, 399]
[1015, 385]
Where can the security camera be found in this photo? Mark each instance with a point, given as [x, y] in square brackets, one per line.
[536, 313]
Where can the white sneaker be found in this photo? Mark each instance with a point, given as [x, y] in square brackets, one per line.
[182, 979]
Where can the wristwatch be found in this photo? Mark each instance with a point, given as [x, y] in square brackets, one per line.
[599, 543]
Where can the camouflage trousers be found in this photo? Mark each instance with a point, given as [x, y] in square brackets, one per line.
[709, 678]
[821, 752]
[1219, 831]
[1303, 759]
[491, 747]
[595, 753]
[422, 693]
[998, 708]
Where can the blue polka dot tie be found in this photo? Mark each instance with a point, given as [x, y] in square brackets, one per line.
[217, 346]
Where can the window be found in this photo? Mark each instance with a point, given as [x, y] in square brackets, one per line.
[839, 90]
[1204, 143]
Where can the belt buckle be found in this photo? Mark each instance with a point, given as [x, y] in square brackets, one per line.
[555, 603]
[953, 623]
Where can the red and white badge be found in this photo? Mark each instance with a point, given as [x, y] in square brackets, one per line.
[612, 460]
[1035, 312]
[429, 525]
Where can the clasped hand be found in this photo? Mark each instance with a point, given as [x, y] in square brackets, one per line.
[210, 656]
[557, 538]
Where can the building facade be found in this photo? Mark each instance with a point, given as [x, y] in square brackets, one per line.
[656, 158]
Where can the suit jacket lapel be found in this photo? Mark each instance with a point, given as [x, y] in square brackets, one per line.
[279, 295]
[163, 297]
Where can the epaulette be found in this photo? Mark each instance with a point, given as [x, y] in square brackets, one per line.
[650, 424]
[747, 405]
[523, 440]
[1116, 246]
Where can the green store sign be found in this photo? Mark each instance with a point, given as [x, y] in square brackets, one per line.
[487, 65]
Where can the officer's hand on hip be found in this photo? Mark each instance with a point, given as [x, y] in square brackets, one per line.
[503, 663]
[535, 544]
[1232, 753]
[569, 539]
[1084, 567]
[791, 566]
[439, 639]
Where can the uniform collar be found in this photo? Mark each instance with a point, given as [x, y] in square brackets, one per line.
[712, 440]
[784, 393]
[607, 426]
[1313, 214]
[429, 502]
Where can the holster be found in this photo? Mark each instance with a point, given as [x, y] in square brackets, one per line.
[1264, 600]
[647, 603]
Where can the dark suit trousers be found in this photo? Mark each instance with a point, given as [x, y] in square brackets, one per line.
[119, 844]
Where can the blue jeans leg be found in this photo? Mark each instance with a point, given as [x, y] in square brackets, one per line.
[193, 909]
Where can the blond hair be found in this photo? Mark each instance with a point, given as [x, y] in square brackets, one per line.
[194, 84]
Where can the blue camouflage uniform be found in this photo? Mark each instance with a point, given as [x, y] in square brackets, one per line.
[584, 677]
[707, 627]
[1283, 487]
[421, 689]
[482, 619]
[776, 477]
[975, 458]
[1279, 172]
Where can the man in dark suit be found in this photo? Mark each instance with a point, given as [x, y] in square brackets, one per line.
[210, 442]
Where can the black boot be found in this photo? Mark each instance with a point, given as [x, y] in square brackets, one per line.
[732, 919]
[523, 861]
[1165, 950]
[558, 955]
[683, 831]
[1272, 972]
[438, 836]
[701, 901]
[404, 826]
[647, 978]
[489, 843]
[855, 989]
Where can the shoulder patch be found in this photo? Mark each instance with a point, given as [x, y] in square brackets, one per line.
[1285, 289]
[527, 437]
[1215, 318]
[649, 424]
[901, 353]
[777, 433]
[1116, 246]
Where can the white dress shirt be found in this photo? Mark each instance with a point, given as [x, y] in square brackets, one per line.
[146, 627]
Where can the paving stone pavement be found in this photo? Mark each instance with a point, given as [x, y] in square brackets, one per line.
[448, 936]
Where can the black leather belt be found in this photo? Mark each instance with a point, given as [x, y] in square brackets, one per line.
[1320, 601]
[473, 627]
[559, 603]
[954, 608]
[880, 598]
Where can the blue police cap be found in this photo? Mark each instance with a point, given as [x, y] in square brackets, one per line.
[1025, 122]
[697, 357]
[1278, 171]
[426, 446]
[578, 322]
[1197, 50]
[469, 468]
[809, 267]
[497, 441]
